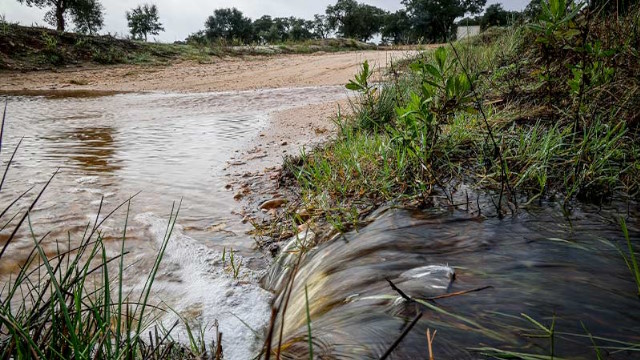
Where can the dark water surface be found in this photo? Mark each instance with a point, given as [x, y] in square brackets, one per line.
[538, 264]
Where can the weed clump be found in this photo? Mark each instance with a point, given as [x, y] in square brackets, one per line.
[545, 110]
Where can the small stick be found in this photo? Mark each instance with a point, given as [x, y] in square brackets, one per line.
[402, 336]
[430, 342]
[394, 287]
[463, 292]
[219, 355]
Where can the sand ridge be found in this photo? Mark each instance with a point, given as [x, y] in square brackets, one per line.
[223, 74]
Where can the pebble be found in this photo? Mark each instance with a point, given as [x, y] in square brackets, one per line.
[273, 204]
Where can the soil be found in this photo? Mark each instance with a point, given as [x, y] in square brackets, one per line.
[226, 74]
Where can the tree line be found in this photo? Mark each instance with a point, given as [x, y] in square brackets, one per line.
[425, 21]
[87, 16]
[420, 20]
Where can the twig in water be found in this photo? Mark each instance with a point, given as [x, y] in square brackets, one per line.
[430, 342]
[402, 336]
[457, 293]
[394, 287]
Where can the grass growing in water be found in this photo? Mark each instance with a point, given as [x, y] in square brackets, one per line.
[72, 305]
[631, 261]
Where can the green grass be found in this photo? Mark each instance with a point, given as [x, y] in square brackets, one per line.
[631, 260]
[481, 115]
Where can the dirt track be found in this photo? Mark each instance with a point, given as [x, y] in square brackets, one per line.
[236, 73]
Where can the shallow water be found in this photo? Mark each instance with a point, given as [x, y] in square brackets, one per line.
[168, 147]
[539, 263]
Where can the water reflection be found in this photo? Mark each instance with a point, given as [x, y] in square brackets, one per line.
[91, 148]
[169, 146]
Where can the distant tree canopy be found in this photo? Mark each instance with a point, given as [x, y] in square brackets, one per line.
[144, 21]
[434, 19]
[397, 28]
[494, 15]
[354, 20]
[87, 15]
[420, 20]
[321, 28]
[232, 27]
[229, 24]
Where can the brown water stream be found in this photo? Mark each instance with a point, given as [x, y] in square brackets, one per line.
[168, 147]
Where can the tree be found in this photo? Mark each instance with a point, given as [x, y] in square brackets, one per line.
[354, 20]
[229, 24]
[86, 14]
[279, 31]
[434, 19]
[532, 11]
[495, 15]
[300, 29]
[320, 26]
[262, 28]
[143, 20]
[396, 28]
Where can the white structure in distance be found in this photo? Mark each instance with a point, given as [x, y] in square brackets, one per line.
[467, 31]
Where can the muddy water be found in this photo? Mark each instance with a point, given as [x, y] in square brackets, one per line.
[167, 147]
[539, 263]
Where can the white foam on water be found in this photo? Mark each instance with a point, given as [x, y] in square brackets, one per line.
[194, 282]
[87, 180]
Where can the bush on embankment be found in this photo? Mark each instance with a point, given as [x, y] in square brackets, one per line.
[548, 110]
[34, 48]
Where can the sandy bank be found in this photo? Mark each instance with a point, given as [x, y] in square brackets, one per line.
[226, 74]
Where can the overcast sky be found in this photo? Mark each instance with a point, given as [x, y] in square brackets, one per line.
[183, 17]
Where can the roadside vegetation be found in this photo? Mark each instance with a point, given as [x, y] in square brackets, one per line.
[345, 25]
[28, 48]
[543, 111]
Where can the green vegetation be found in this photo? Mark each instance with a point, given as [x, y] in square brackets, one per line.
[144, 21]
[631, 261]
[27, 48]
[421, 21]
[87, 15]
[541, 111]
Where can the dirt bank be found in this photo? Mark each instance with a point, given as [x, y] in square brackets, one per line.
[232, 73]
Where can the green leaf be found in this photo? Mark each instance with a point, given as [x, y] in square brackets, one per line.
[353, 86]
[433, 71]
[441, 57]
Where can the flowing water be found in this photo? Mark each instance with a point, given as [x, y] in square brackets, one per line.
[539, 263]
[176, 146]
[168, 147]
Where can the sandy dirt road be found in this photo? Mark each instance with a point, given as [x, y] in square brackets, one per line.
[233, 73]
